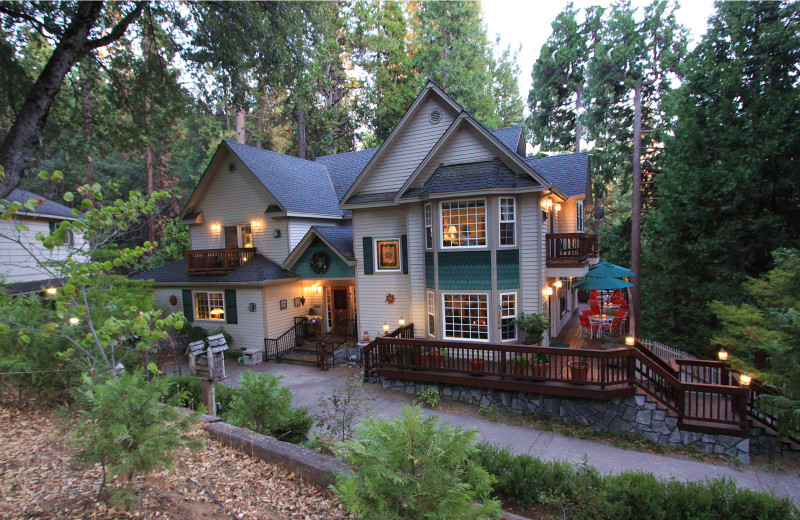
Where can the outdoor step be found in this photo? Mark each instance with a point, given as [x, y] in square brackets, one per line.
[298, 358]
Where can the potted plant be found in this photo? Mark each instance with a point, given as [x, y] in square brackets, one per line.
[579, 369]
[436, 358]
[533, 327]
[476, 365]
[519, 364]
[540, 365]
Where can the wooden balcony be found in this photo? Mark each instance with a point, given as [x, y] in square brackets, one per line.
[570, 249]
[215, 261]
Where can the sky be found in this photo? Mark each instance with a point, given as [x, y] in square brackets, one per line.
[527, 22]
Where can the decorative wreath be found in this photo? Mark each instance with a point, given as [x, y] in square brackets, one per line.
[319, 262]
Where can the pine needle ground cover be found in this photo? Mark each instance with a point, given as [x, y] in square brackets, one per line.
[39, 478]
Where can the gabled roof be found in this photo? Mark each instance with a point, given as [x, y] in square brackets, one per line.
[338, 238]
[34, 285]
[344, 168]
[300, 186]
[258, 270]
[485, 175]
[569, 171]
[509, 136]
[45, 207]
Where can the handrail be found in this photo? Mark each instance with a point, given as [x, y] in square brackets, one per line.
[570, 248]
[367, 352]
[286, 342]
[204, 261]
[332, 340]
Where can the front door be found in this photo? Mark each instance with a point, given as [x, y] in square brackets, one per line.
[231, 237]
[341, 304]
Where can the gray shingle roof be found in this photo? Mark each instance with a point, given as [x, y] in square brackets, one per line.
[340, 237]
[368, 198]
[259, 269]
[299, 185]
[34, 285]
[471, 176]
[509, 136]
[344, 168]
[46, 207]
[568, 172]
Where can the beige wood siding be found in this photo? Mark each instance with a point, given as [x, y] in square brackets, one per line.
[567, 218]
[234, 199]
[371, 290]
[248, 333]
[279, 321]
[464, 145]
[298, 227]
[416, 269]
[531, 251]
[16, 263]
[408, 148]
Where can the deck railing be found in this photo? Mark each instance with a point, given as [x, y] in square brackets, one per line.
[570, 248]
[598, 374]
[206, 261]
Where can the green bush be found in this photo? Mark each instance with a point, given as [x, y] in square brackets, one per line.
[585, 494]
[124, 428]
[410, 467]
[261, 404]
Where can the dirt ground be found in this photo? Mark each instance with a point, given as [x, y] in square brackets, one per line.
[39, 479]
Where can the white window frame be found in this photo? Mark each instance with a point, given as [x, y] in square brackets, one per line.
[504, 317]
[580, 216]
[238, 234]
[485, 225]
[375, 262]
[444, 316]
[427, 215]
[501, 221]
[431, 302]
[208, 302]
[253, 237]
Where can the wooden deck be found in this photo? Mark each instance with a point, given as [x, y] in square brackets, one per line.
[576, 337]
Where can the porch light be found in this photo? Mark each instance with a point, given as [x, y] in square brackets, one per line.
[315, 288]
[558, 284]
[74, 321]
[401, 321]
[745, 379]
[630, 340]
[558, 207]
[385, 327]
[548, 291]
[216, 312]
[723, 355]
[51, 291]
[215, 227]
[256, 223]
[548, 204]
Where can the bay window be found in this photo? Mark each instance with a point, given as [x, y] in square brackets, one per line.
[463, 223]
[508, 219]
[508, 312]
[466, 316]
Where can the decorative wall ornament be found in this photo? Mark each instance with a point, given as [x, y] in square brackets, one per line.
[390, 298]
[283, 305]
[319, 262]
[173, 300]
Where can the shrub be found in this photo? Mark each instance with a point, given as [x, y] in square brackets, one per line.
[410, 467]
[533, 327]
[261, 404]
[124, 428]
[429, 397]
[296, 426]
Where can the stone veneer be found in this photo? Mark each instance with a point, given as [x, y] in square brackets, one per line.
[633, 415]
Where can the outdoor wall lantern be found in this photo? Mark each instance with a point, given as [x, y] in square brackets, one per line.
[630, 340]
[548, 204]
[745, 379]
[74, 321]
[215, 227]
[251, 307]
[316, 288]
[558, 284]
[276, 233]
[401, 321]
[256, 223]
[385, 327]
[548, 291]
[723, 355]
[51, 291]
[558, 207]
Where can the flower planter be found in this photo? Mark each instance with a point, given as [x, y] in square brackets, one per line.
[476, 365]
[518, 370]
[579, 370]
[540, 370]
[435, 360]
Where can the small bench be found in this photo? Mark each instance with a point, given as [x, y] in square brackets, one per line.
[252, 356]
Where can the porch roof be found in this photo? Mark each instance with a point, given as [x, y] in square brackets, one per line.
[259, 269]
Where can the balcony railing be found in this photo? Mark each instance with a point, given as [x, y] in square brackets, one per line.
[209, 261]
[567, 249]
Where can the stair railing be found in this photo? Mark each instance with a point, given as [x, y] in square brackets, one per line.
[328, 344]
[288, 341]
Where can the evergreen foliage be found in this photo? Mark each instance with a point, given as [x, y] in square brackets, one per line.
[730, 193]
[410, 467]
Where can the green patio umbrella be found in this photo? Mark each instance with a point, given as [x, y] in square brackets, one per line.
[601, 283]
[607, 269]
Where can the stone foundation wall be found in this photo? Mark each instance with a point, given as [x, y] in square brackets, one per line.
[761, 440]
[633, 415]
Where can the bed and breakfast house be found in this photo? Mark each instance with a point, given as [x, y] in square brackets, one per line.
[447, 225]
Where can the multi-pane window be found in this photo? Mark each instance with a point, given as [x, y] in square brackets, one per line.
[465, 316]
[428, 227]
[508, 312]
[431, 314]
[464, 223]
[209, 306]
[580, 215]
[245, 236]
[508, 219]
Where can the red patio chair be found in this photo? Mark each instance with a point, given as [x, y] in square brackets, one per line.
[616, 324]
[587, 312]
[588, 325]
[595, 306]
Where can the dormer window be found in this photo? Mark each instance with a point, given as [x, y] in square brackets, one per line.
[463, 223]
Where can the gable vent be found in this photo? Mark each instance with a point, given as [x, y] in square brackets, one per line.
[436, 116]
[231, 166]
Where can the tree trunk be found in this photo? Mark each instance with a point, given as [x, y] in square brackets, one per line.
[148, 166]
[86, 113]
[578, 114]
[636, 216]
[302, 147]
[240, 127]
[25, 135]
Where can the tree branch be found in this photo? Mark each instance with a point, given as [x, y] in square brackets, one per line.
[118, 31]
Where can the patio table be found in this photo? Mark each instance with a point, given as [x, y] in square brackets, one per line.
[601, 320]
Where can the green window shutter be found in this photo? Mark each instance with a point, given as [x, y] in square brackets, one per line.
[368, 255]
[188, 311]
[404, 252]
[230, 307]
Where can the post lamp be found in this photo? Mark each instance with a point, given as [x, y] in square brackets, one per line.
[745, 379]
[630, 340]
[401, 321]
[723, 355]
[385, 327]
[51, 291]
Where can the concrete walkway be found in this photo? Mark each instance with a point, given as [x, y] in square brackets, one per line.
[308, 383]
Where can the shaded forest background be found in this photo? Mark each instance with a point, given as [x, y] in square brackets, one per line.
[720, 141]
